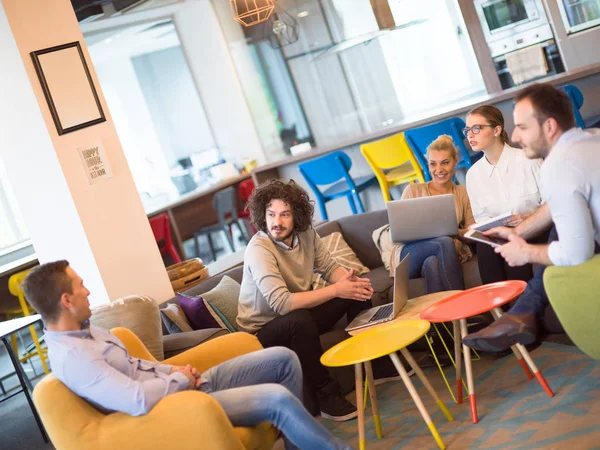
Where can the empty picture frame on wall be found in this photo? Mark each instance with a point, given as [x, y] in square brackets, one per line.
[68, 87]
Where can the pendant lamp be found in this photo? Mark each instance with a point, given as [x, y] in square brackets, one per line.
[251, 12]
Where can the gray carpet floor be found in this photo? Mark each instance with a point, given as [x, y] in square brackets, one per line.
[18, 429]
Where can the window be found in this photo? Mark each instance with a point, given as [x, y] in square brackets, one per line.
[350, 90]
[155, 107]
[14, 238]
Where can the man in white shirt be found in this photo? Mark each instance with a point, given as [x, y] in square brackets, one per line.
[570, 180]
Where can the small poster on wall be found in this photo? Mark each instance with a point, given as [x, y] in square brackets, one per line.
[95, 163]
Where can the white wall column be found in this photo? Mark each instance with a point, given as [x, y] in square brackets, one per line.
[100, 228]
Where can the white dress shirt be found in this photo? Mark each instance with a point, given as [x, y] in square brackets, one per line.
[571, 185]
[511, 186]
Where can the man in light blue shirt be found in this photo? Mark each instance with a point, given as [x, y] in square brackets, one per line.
[262, 386]
[570, 183]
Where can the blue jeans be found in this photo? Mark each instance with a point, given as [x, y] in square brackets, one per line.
[436, 260]
[534, 299]
[265, 386]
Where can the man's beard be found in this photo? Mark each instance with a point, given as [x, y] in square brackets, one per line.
[280, 238]
[538, 149]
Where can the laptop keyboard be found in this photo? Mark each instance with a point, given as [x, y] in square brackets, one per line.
[383, 312]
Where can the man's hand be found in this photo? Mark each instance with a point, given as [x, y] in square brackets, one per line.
[501, 232]
[516, 219]
[191, 373]
[353, 288]
[516, 252]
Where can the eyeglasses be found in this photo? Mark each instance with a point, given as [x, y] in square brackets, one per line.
[475, 129]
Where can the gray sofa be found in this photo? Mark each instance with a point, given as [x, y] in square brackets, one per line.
[357, 231]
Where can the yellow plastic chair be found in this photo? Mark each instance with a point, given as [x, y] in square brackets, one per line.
[14, 286]
[381, 341]
[392, 153]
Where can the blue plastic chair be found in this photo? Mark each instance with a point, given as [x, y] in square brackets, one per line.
[420, 138]
[576, 98]
[335, 168]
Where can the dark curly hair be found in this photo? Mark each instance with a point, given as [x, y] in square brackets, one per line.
[290, 193]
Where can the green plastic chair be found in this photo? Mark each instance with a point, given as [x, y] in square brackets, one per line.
[574, 293]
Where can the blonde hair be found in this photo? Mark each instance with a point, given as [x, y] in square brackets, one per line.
[443, 142]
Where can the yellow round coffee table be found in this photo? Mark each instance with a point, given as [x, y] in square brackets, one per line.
[377, 342]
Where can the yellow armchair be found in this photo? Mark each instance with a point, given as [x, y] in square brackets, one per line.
[185, 420]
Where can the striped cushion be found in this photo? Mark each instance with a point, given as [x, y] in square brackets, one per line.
[343, 254]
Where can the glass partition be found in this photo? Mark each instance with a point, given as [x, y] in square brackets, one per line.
[156, 109]
[349, 78]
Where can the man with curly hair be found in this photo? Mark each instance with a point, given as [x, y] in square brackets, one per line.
[277, 302]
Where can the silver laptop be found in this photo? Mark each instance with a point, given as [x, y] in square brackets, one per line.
[389, 311]
[413, 219]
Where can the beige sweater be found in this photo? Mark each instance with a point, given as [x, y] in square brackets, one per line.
[272, 274]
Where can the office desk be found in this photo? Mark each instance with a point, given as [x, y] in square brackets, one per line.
[7, 328]
[194, 210]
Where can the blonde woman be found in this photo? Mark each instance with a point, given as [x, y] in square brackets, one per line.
[503, 181]
[438, 260]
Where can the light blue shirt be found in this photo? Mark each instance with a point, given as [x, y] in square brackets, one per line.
[95, 365]
[571, 185]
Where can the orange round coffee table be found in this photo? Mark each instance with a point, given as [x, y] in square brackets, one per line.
[457, 308]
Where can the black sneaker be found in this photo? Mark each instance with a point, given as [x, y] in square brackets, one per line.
[337, 408]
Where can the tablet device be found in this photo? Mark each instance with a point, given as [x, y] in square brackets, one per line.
[478, 236]
[488, 224]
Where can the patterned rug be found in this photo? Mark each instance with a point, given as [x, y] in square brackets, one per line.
[514, 412]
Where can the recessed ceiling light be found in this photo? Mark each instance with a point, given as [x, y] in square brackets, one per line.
[302, 14]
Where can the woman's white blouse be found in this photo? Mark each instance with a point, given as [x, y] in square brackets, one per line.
[511, 186]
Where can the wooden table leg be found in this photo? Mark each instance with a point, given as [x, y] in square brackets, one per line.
[526, 361]
[358, 379]
[426, 383]
[537, 372]
[415, 396]
[469, 372]
[458, 359]
[373, 395]
[497, 312]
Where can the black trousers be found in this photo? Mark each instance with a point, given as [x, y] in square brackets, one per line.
[493, 267]
[299, 331]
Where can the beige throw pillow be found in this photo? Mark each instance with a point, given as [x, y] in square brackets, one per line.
[138, 313]
[343, 254]
[176, 316]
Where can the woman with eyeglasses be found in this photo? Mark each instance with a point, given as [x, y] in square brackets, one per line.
[503, 181]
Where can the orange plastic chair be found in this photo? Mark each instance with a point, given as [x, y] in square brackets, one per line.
[14, 287]
[393, 163]
[457, 308]
[161, 228]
